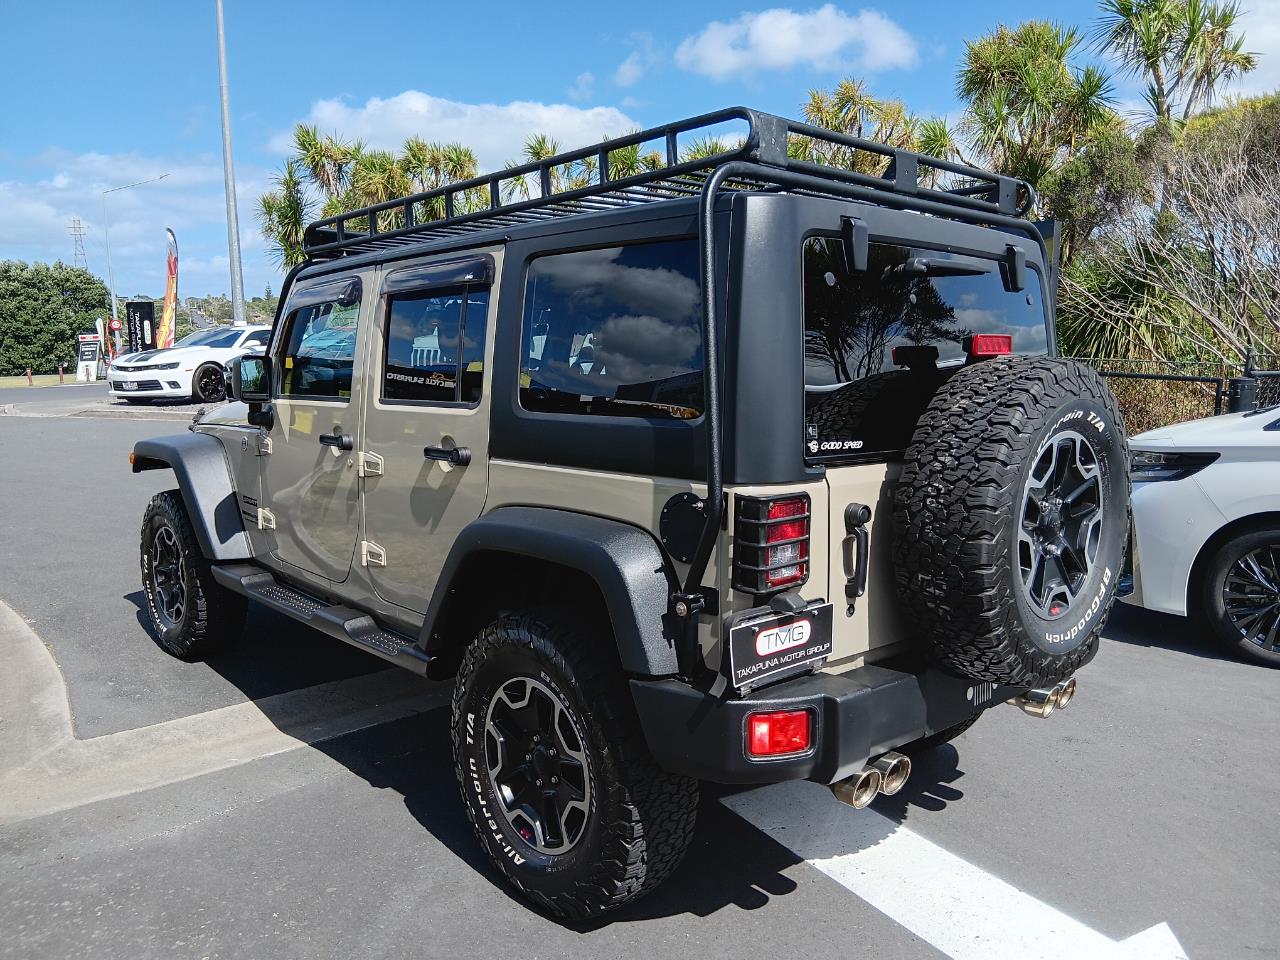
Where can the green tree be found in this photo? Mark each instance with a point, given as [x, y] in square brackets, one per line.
[1184, 49]
[42, 308]
[1030, 105]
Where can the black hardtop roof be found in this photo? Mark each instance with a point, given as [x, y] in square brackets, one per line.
[484, 209]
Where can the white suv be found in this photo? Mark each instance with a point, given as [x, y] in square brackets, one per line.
[192, 367]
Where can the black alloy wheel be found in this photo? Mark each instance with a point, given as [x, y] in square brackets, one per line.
[211, 384]
[168, 578]
[538, 765]
[1251, 596]
[1062, 513]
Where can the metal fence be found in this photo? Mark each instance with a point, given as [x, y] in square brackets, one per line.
[1155, 393]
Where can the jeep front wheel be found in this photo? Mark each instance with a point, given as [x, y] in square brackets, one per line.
[192, 614]
[555, 776]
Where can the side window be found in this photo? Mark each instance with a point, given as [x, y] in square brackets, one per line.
[614, 332]
[435, 346]
[259, 338]
[320, 347]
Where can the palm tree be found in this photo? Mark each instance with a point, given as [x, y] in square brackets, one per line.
[1030, 108]
[284, 214]
[1186, 49]
[327, 160]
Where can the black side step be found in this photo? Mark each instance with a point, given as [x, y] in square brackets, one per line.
[341, 623]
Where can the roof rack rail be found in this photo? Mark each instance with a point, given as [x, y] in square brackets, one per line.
[495, 200]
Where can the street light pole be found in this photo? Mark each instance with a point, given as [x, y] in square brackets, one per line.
[106, 235]
[229, 175]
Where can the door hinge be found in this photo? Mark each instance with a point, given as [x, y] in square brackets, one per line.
[372, 555]
[371, 464]
[264, 445]
[266, 519]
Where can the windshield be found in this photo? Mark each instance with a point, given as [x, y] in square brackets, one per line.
[213, 337]
[858, 402]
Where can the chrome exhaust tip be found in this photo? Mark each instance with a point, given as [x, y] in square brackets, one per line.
[1037, 703]
[859, 789]
[1065, 691]
[894, 769]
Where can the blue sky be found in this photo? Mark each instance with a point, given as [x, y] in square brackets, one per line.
[94, 95]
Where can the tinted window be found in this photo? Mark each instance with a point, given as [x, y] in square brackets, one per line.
[435, 346]
[258, 338]
[857, 401]
[616, 331]
[217, 337]
[319, 350]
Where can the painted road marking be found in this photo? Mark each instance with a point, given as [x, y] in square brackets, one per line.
[45, 769]
[960, 909]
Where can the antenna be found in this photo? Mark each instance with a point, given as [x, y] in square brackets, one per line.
[77, 234]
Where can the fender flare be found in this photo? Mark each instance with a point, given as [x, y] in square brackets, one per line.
[625, 562]
[204, 478]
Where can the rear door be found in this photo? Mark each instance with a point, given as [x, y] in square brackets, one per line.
[425, 452]
[878, 343]
[310, 488]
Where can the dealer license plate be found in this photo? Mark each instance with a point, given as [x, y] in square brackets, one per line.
[778, 644]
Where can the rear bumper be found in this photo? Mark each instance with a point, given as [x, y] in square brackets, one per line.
[857, 715]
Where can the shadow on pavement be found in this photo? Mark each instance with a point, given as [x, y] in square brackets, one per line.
[1147, 628]
[731, 862]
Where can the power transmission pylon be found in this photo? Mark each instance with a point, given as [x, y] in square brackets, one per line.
[77, 233]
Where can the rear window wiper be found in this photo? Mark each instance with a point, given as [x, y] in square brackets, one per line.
[936, 267]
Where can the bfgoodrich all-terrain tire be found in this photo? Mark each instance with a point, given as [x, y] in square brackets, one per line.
[1011, 519]
[192, 614]
[554, 772]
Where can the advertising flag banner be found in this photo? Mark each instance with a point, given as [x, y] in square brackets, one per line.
[169, 314]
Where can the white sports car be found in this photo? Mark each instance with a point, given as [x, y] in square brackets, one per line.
[1206, 527]
[192, 367]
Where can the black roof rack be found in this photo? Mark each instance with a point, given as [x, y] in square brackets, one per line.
[493, 200]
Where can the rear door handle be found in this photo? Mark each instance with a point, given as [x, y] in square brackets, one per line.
[458, 456]
[343, 441]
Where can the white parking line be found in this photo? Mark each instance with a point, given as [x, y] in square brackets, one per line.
[45, 769]
[960, 909]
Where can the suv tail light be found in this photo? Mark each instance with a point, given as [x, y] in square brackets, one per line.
[771, 543]
[778, 734]
[982, 345]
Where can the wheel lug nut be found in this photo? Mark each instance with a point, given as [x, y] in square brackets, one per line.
[555, 779]
[538, 782]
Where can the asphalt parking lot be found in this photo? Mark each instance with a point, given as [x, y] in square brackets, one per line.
[293, 798]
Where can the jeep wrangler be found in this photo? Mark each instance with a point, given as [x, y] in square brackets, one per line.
[739, 468]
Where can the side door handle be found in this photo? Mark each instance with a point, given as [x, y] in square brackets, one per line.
[343, 441]
[458, 456]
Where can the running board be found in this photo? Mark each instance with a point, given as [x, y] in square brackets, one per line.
[341, 623]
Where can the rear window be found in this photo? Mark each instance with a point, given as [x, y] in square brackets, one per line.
[614, 332]
[858, 403]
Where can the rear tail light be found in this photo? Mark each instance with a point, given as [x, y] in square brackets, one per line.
[778, 734]
[982, 345]
[771, 543]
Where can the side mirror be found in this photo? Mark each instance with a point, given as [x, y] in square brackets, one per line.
[249, 378]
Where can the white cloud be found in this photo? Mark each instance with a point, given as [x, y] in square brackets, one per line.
[825, 39]
[1260, 21]
[582, 86]
[642, 57]
[494, 131]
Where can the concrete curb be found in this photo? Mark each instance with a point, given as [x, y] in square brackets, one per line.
[44, 769]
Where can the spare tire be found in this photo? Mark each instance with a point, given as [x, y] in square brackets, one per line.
[1011, 520]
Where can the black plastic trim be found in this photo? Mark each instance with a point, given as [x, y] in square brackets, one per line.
[859, 715]
[625, 562]
[200, 465]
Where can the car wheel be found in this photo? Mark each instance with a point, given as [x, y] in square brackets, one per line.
[555, 775]
[209, 385]
[192, 614]
[1240, 595]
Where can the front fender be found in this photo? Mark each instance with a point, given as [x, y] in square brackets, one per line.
[200, 465]
[623, 561]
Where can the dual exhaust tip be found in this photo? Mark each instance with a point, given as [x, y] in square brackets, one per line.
[1044, 700]
[887, 774]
